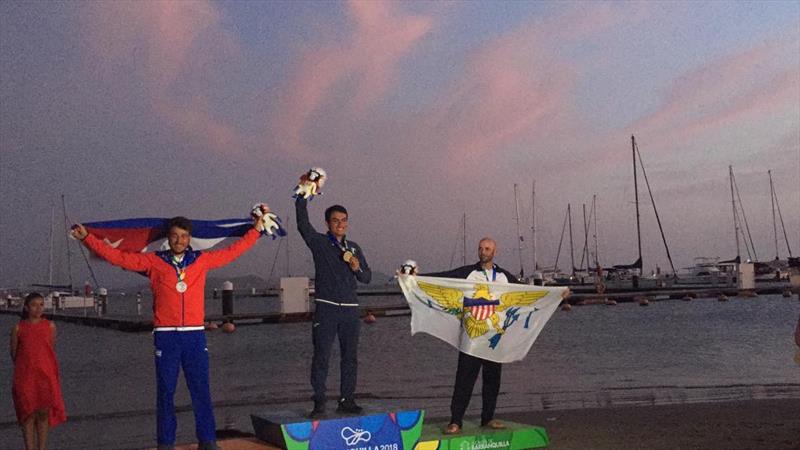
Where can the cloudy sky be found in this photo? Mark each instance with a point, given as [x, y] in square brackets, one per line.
[419, 111]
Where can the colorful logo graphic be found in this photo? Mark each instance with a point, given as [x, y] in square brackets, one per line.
[392, 431]
[353, 437]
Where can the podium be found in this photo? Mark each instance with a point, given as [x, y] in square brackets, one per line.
[516, 436]
[382, 431]
[401, 430]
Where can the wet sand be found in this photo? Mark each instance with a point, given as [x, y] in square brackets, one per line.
[752, 424]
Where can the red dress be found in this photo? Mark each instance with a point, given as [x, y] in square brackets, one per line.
[37, 384]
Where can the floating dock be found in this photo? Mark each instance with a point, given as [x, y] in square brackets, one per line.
[130, 323]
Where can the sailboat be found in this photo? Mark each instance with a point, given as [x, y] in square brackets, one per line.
[554, 275]
[627, 276]
[713, 271]
[777, 269]
[60, 296]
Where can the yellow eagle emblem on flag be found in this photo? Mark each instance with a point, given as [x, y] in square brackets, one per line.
[477, 320]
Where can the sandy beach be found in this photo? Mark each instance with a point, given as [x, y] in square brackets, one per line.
[741, 425]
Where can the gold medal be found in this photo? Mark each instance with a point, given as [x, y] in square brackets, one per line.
[181, 286]
[346, 256]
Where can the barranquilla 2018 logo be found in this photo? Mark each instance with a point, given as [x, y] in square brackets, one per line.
[358, 439]
[495, 442]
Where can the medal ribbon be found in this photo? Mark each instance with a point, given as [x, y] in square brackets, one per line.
[343, 246]
[494, 274]
[180, 267]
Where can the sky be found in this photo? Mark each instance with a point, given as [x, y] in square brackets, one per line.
[421, 113]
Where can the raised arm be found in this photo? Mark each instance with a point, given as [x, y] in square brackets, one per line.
[304, 226]
[136, 262]
[217, 258]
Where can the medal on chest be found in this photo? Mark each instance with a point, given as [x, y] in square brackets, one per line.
[348, 252]
[180, 270]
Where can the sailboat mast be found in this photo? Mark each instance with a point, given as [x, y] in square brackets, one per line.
[533, 225]
[464, 237]
[66, 242]
[50, 262]
[561, 241]
[774, 222]
[288, 251]
[571, 251]
[735, 216]
[585, 253]
[749, 236]
[519, 235]
[596, 251]
[636, 194]
[780, 217]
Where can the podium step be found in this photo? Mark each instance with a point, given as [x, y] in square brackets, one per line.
[291, 430]
[473, 437]
[233, 444]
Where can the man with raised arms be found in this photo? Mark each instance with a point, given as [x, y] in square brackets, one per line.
[338, 264]
[177, 278]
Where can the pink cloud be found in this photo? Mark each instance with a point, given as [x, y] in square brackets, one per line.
[724, 90]
[775, 93]
[369, 57]
[517, 88]
[585, 19]
[499, 98]
[159, 38]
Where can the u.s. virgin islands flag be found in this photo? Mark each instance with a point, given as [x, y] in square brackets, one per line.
[489, 320]
[147, 234]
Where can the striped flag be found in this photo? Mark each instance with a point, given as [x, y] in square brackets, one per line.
[148, 234]
[489, 320]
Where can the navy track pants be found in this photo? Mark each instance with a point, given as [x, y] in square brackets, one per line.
[175, 350]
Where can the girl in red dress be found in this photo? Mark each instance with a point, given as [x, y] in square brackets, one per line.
[37, 387]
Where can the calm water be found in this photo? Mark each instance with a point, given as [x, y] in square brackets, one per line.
[593, 356]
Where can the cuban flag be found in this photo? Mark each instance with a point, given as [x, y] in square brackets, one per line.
[150, 234]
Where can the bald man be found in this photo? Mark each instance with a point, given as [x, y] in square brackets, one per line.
[469, 366]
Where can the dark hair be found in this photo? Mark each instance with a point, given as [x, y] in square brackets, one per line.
[180, 222]
[29, 298]
[335, 208]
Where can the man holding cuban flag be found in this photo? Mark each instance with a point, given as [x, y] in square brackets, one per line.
[484, 311]
[177, 278]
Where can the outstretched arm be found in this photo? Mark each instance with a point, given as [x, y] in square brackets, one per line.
[136, 262]
[460, 272]
[218, 258]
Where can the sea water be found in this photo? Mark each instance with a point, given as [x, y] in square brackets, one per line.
[592, 356]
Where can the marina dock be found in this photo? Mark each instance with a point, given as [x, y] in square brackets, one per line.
[581, 296]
